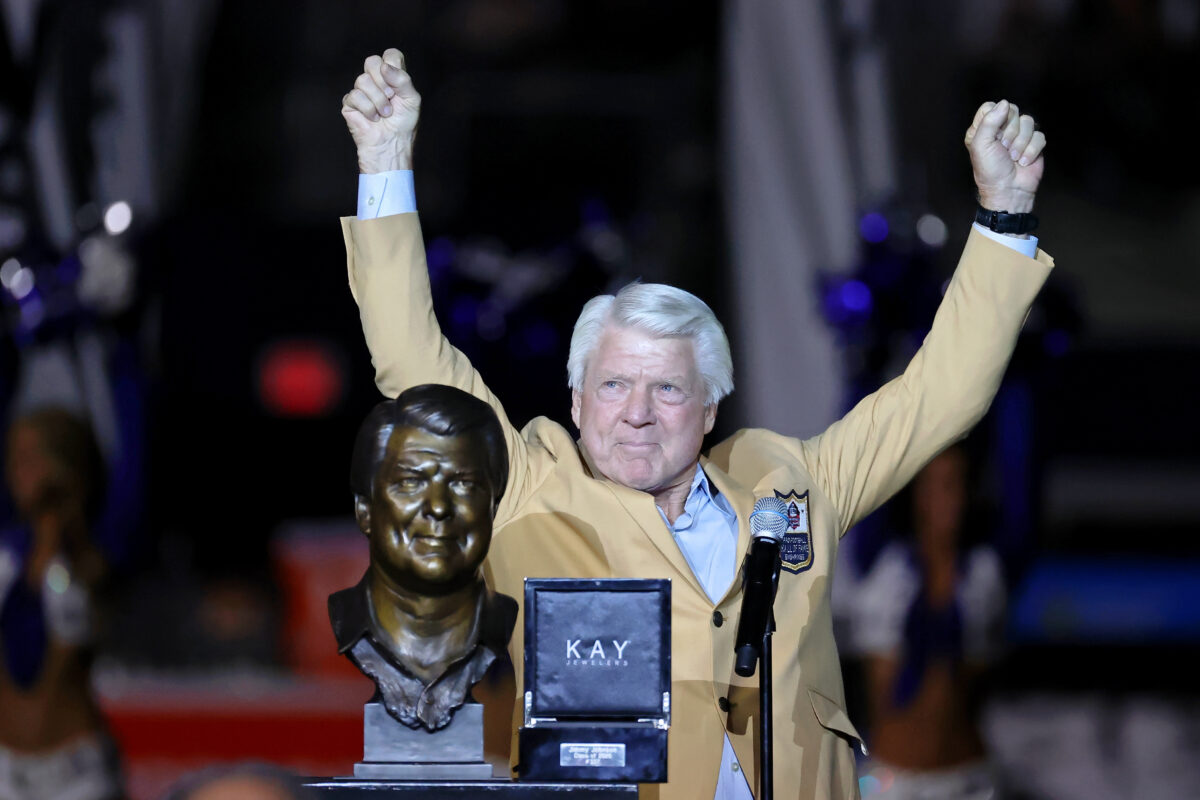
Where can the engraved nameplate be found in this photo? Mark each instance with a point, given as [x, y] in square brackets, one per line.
[581, 754]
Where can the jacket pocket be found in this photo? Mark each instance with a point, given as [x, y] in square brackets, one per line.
[834, 718]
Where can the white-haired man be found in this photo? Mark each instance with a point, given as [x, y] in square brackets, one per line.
[634, 497]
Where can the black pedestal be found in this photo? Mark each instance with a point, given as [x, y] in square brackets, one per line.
[598, 751]
[353, 789]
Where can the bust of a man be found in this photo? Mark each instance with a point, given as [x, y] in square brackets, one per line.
[428, 471]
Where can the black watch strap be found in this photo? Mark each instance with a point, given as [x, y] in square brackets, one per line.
[1003, 222]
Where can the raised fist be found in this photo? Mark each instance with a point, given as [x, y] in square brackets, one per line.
[1006, 157]
[381, 112]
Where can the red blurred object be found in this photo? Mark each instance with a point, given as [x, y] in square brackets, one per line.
[312, 560]
[300, 379]
[169, 727]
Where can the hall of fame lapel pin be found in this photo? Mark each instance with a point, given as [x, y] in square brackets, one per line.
[795, 550]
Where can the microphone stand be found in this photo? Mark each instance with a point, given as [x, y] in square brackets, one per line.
[768, 523]
[766, 768]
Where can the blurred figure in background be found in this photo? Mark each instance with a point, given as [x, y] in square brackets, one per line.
[53, 741]
[929, 617]
[240, 782]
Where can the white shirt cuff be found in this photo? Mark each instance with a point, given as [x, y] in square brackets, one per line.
[383, 194]
[1026, 247]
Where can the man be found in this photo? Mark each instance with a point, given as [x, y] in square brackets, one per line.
[633, 497]
[428, 471]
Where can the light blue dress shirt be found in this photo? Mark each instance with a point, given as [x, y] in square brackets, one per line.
[382, 194]
[707, 530]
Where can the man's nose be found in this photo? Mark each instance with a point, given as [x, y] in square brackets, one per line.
[639, 410]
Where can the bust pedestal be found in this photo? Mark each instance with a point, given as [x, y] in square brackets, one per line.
[394, 751]
[448, 764]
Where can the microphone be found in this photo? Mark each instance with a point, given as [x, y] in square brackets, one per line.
[760, 576]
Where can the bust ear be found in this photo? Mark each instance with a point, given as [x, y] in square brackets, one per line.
[362, 513]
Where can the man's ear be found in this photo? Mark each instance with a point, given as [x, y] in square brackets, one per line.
[710, 417]
[362, 513]
[576, 401]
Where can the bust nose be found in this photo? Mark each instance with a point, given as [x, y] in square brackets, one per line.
[437, 500]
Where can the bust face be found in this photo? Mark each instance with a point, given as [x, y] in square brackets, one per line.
[431, 510]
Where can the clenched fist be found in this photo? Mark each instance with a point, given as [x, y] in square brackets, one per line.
[381, 112]
[1006, 157]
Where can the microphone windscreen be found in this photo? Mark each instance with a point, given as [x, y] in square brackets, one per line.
[769, 518]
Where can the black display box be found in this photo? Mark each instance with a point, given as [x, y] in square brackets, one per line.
[597, 680]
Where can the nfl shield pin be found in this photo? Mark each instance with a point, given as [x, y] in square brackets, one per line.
[795, 550]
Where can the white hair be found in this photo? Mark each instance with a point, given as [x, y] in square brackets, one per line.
[659, 310]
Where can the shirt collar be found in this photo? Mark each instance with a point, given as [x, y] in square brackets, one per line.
[700, 483]
[351, 617]
[700, 495]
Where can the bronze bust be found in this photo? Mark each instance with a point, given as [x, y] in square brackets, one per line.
[427, 473]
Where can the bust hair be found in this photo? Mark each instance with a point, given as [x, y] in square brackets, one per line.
[433, 408]
[659, 310]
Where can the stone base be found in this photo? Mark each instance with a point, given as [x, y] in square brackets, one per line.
[393, 751]
[386, 740]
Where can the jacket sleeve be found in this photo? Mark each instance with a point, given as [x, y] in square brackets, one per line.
[872, 452]
[389, 280]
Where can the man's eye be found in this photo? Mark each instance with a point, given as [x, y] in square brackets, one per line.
[409, 484]
[672, 393]
[463, 484]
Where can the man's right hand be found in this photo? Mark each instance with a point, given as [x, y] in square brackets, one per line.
[381, 112]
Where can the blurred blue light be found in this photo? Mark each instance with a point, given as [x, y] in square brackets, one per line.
[33, 311]
[847, 303]
[1126, 600]
[69, 269]
[440, 256]
[490, 324]
[1056, 343]
[539, 338]
[594, 211]
[855, 296]
[463, 313]
[873, 227]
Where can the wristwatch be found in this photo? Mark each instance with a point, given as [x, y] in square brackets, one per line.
[1003, 222]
